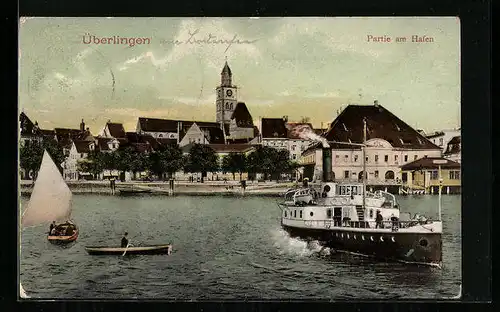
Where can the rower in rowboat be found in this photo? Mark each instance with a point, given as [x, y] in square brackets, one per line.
[124, 240]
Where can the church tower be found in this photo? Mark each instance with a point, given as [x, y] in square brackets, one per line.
[226, 99]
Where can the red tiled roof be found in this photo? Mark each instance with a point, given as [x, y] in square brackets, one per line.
[381, 123]
[238, 141]
[82, 146]
[242, 116]
[291, 134]
[428, 163]
[170, 125]
[273, 128]
[157, 125]
[453, 146]
[116, 130]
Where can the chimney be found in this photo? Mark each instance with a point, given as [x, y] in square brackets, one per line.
[82, 126]
[285, 118]
[327, 165]
[375, 103]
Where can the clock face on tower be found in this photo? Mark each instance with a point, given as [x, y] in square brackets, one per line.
[229, 92]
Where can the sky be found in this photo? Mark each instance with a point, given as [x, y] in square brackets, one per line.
[296, 67]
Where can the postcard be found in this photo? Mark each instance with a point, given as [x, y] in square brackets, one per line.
[240, 158]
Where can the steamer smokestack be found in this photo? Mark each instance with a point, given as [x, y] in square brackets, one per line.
[327, 164]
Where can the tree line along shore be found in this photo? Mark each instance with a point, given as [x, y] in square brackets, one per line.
[164, 163]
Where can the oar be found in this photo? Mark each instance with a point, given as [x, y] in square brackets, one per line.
[125, 250]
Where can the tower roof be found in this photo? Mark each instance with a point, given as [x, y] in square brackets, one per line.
[226, 69]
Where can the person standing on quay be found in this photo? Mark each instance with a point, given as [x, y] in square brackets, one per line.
[112, 185]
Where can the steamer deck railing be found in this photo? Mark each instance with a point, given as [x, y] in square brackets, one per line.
[389, 226]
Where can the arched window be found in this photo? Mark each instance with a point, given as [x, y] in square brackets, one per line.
[389, 175]
[160, 135]
[231, 106]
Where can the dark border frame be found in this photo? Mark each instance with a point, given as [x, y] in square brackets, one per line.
[475, 17]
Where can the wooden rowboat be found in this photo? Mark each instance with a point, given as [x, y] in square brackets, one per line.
[71, 234]
[63, 239]
[131, 250]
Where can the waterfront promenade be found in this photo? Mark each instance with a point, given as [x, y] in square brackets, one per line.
[180, 187]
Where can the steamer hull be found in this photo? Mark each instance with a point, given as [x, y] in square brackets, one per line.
[420, 248]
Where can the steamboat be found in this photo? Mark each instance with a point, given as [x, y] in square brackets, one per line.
[346, 217]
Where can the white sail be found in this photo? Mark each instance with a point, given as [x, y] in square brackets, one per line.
[51, 196]
[22, 293]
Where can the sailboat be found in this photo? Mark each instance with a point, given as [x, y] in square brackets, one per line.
[50, 201]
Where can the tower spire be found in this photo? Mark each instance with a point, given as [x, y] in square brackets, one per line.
[226, 76]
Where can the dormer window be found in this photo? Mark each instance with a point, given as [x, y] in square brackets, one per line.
[397, 127]
[404, 141]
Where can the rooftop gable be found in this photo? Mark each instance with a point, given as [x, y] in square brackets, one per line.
[381, 123]
[242, 116]
[116, 130]
[82, 146]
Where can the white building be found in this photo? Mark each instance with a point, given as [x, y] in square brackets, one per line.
[79, 151]
[443, 137]
[391, 143]
[454, 149]
[275, 132]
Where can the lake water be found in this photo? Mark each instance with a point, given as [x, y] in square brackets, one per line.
[224, 248]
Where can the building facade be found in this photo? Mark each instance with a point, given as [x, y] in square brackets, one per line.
[425, 173]
[390, 144]
[443, 137]
[278, 133]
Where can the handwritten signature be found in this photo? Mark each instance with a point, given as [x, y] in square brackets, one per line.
[209, 39]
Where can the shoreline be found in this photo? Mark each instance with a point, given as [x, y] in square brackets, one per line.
[184, 188]
[209, 188]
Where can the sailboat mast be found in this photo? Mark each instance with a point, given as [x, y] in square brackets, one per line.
[364, 161]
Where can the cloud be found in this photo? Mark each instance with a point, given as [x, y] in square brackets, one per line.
[134, 112]
[190, 100]
[324, 95]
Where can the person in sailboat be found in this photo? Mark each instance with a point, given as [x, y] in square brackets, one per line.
[52, 228]
[124, 240]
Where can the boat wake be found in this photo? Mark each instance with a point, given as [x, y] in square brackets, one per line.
[296, 247]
